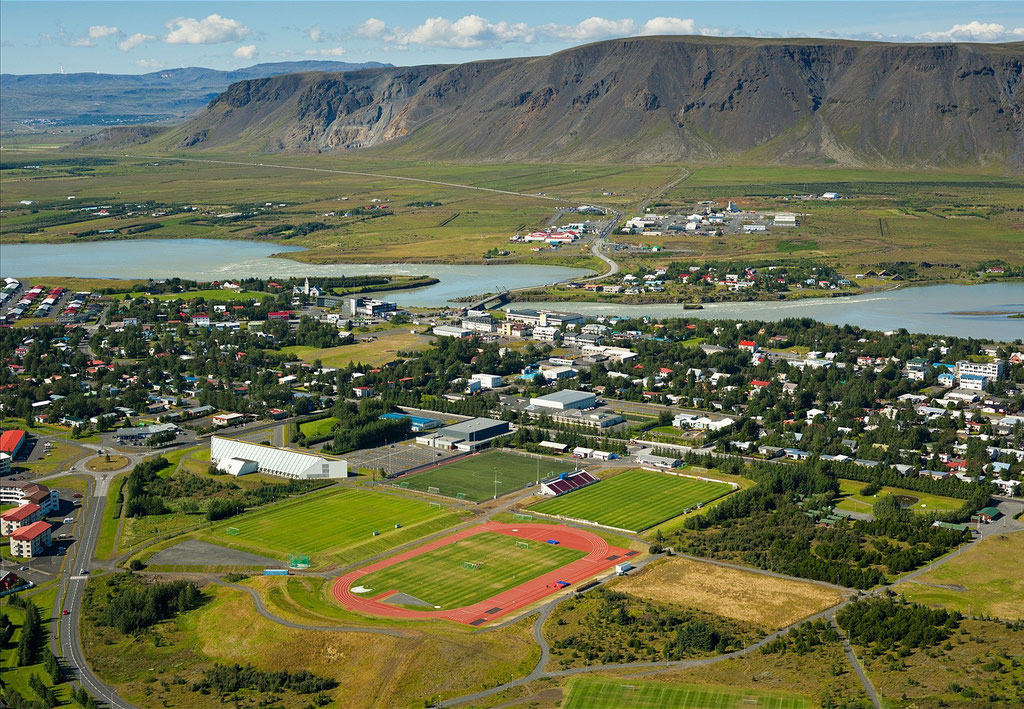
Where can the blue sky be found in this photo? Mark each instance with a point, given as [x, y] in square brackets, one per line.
[141, 36]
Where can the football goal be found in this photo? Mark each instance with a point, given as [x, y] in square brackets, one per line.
[434, 490]
[472, 565]
[298, 561]
[232, 530]
[435, 504]
[522, 545]
[522, 517]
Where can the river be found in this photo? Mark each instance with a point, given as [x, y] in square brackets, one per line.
[966, 311]
[221, 259]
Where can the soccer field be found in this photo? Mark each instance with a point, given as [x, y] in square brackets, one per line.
[473, 476]
[333, 526]
[439, 577]
[587, 693]
[634, 500]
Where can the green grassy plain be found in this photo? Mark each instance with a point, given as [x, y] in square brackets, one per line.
[438, 578]
[474, 476]
[610, 693]
[852, 501]
[334, 526]
[983, 580]
[634, 500]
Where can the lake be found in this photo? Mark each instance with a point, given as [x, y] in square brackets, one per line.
[966, 311]
[218, 260]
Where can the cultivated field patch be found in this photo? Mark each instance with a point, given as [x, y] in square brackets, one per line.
[474, 476]
[634, 500]
[608, 693]
[768, 602]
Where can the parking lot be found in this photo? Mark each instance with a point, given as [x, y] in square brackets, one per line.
[396, 457]
[45, 568]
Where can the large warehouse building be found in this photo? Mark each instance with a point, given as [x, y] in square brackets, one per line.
[465, 435]
[239, 457]
[566, 399]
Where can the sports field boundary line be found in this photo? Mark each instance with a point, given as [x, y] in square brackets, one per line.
[588, 522]
[592, 523]
[734, 486]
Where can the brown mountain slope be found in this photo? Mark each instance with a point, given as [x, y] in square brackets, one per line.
[651, 99]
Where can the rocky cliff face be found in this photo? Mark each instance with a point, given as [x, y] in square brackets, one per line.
[658, 99]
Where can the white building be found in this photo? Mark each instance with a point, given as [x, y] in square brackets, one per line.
[566, 399]
[451, 331]
[992, 370]
[488, 381]
[275, 461]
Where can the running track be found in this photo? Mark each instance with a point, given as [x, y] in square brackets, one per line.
[600, 556]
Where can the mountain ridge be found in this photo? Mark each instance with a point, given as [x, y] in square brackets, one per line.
[649, 99]
[97, 98]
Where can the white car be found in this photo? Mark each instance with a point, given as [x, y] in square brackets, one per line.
[69, 520]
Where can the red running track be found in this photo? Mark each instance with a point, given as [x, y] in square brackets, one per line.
[599, 557]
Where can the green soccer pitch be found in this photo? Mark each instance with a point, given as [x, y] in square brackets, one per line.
[496, 563]
[474, 475]
[587, 693]
[333, 526]
[634, 500]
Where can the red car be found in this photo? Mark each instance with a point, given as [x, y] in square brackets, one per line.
[77, 496]
[65, 612]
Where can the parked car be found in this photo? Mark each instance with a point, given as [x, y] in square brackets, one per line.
[77, 496]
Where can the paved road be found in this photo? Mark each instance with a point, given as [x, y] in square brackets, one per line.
[72, 589]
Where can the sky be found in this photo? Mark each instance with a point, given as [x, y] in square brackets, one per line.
[137, 37]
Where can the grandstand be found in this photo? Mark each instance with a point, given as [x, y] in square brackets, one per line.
[567, 482]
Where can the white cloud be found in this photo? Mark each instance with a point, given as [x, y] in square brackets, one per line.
[335, 52]
[148, 63]
[975, 31]
[372, 29]
[316, 34]
[100, 31]
[133, 41]
[214, 29]
[473, 31]
[247, 51]
[591, 29]
[671, 25]
[81, 42]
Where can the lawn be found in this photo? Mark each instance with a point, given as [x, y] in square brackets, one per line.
[474, 476]
[379, 351]
[439, 579]
[111, 512]
[985, 579]
[320, 427]
[634, 500]
[852, 501]
[334, 526]
[607, 693]
[17, 678]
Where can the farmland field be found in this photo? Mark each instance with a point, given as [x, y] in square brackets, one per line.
[852, 501]
[474, 476]
[634, 500]
[335, 526]
[604, 693]
[438, 577]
